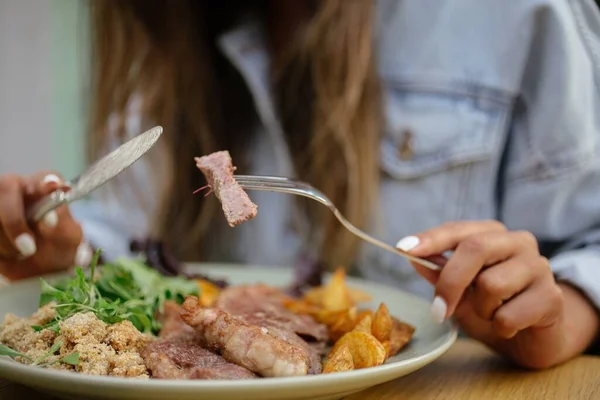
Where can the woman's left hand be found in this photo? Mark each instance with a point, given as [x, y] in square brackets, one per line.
[498, 287]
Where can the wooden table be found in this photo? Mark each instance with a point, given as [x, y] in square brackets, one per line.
[468, 371]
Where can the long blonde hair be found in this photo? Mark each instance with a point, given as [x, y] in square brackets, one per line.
[325, 83]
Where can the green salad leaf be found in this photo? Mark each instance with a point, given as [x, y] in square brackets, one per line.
[126, 289]
[71, 359]
[7, 351]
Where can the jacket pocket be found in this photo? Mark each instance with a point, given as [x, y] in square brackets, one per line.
[428, 132]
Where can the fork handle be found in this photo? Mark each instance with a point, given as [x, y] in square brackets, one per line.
[370, 239]
[421, 261]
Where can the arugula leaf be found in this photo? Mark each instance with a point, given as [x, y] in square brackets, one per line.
[55, 347]
[7, 351]
[71, 359]
[49, 293]
[124, 290]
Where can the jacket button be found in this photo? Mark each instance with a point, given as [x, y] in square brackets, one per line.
[405, 147]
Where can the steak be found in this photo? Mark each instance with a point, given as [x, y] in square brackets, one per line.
[267, 351]
[173, 327]
[178, 353]
[218, 170]
[260, 304]
[174, 359]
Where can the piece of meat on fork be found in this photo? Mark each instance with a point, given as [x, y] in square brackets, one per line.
[256, 348]
[218, 170]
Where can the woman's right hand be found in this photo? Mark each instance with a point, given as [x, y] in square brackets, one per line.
[53, 244]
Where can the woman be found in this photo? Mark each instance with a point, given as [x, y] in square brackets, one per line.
[408, 114]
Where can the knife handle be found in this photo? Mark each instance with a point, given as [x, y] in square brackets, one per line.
[46, 204]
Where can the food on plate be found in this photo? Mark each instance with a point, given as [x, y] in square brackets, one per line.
[260, 304]
[366, 351]
[339, 361]
[249, 318]
[364, 324]
[264, 350]
[96, 323]
[218, 170]
[172, 359]
[127, 319]
[178, 353]
[368, 337]
[209, 292]
[83, 343]
[124, 290]
[400, 336]
[382, 324]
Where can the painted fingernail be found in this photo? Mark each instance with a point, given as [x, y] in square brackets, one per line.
[438, 310]
[25, 244]
[83, 256]
[51, 219]
[51, 178]
[408, 243]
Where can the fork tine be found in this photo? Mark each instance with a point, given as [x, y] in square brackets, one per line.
[261, 178]
[268, 181]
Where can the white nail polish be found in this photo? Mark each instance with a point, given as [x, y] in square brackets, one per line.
[438, 310]
[51, 219]
[26, 245]
[51, 178]
[83, 256]
[408, 243]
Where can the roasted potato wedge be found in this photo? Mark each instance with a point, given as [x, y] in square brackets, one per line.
[335, 295]
[339, 360]
[329, 317]
[387, 346]
[364, 324]
[382, 324]
[344, 324]
[361, 337]
[365, 349]
[209, 292]
[301, 306]
[400, 336]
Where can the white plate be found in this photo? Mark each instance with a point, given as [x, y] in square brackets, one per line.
[429, 342]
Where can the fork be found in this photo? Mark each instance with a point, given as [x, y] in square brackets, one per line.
[292, 186]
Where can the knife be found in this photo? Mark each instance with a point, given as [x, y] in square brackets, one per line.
[97, 174]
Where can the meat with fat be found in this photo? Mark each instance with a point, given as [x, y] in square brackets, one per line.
[260, 304]
[260, 349]
[172, 325]
[176, 359]
[218, 170]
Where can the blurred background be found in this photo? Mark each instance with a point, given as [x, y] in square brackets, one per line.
[44, 61]
[43, 65]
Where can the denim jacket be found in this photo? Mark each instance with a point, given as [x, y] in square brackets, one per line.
[492, 111]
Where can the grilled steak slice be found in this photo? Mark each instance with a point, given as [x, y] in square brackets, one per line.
[258, 303]
[312, 353]
[168, 359]
[260, 349]
[218, 170]
[173, 327]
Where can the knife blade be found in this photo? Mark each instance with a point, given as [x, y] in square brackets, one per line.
[99, 173]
